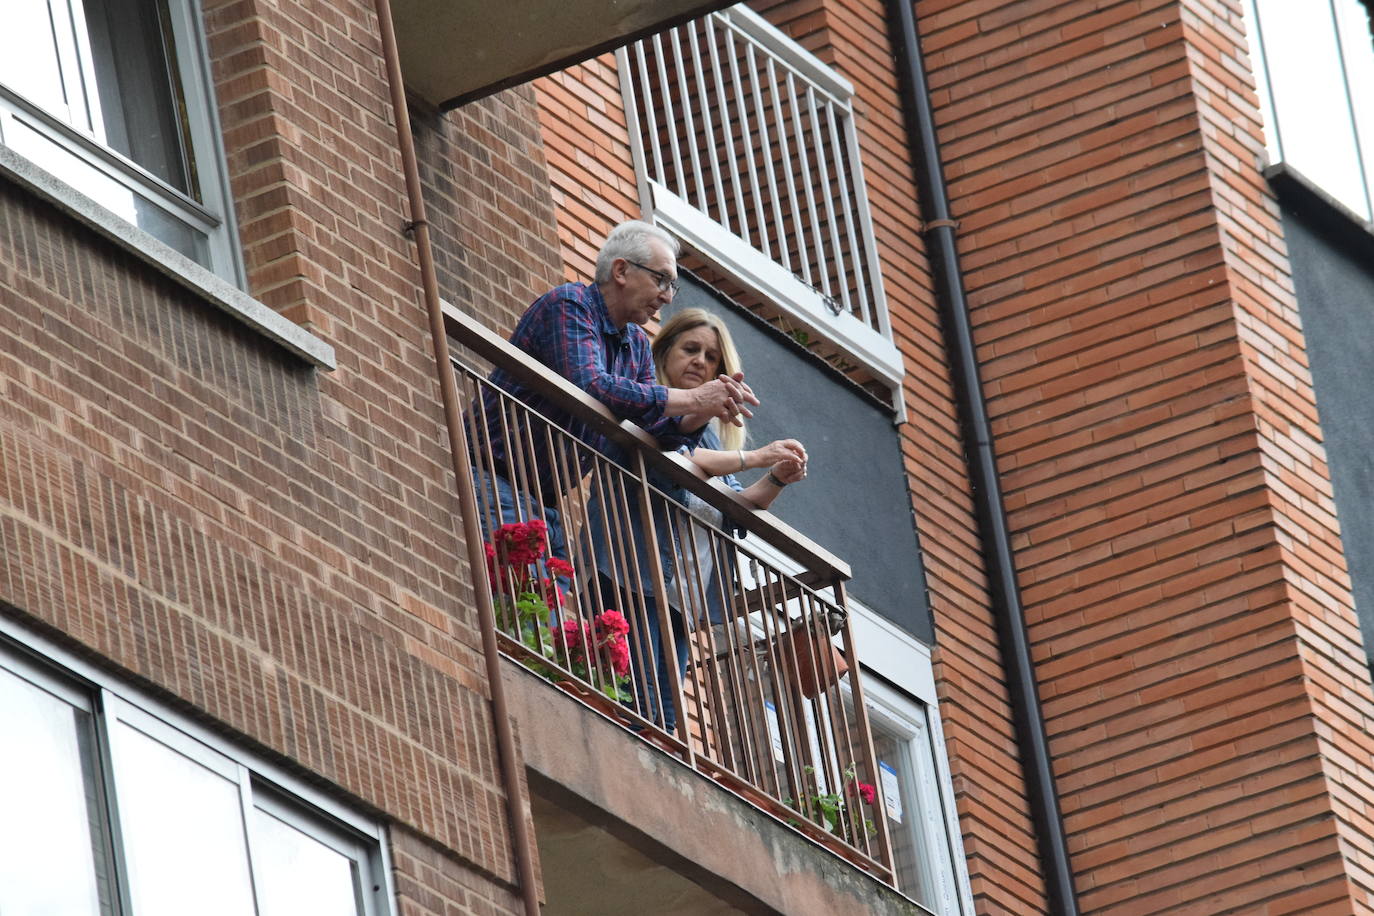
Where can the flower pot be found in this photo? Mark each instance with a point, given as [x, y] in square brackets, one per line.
[808, 648]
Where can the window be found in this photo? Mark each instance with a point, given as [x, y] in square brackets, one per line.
[112, 97]
[1314, 65]
[124, 812]
[919, 808]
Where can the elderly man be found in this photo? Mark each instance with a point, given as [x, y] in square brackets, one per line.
[591, 334]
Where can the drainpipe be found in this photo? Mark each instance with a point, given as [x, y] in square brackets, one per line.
[987, 491]
[506, 761]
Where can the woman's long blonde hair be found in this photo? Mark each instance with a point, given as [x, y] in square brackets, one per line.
[731, 436]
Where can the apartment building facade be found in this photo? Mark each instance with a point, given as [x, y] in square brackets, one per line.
[1064, 299]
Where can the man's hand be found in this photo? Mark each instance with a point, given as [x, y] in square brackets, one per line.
[726, 397]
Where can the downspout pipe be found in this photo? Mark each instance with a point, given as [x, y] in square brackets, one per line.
[506, 760]
[982, 459]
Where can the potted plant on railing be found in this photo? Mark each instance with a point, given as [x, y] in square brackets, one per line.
[834, 811]
[535, 606]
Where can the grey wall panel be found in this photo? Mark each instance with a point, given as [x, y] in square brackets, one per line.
[1333, 274]
[855, 500]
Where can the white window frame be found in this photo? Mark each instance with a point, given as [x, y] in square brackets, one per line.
[940, 842]
[261, 784]
[75, 156]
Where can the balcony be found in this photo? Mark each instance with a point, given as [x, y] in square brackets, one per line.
[453, 51]
[746, 149]
[762, 704]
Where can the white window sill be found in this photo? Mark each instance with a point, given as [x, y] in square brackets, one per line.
[172, 264]
[1286, 180]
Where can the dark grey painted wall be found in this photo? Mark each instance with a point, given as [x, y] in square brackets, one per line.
[854, 501]
[1333, 273]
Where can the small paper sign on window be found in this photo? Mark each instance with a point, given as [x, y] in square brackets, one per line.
[892, 795]
[774, 732]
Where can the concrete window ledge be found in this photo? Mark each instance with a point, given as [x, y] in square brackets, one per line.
[172, 264]
[625, 825]
[1295, 189]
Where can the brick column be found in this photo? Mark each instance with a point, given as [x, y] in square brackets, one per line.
[1176, 542]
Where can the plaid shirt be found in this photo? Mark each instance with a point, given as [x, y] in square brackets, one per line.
[570, 330]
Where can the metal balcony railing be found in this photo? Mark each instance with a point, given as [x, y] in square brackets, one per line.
[745, 148]
[759, 702]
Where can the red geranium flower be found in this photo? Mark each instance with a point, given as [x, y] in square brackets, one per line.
[865, 790]
[521, 543]
[560, 567]
[620, 657]
[571, 637]
[613, 622]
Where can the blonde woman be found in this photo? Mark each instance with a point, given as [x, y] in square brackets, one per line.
[692, 348]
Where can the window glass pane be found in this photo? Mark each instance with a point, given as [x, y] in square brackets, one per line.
[31, 46]
[140, 96]
[1357, 50]
[1310, 99]
[1261, 72]
[112, 98]
[52, 843]
[182, 830]
[100, 187]
[296, 873]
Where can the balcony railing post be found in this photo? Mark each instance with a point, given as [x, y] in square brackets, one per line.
[870, 756]
[856, 261]
[870, 257]
[667, 642]
[727, 128]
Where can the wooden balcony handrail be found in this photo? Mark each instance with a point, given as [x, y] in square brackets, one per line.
[821, 567]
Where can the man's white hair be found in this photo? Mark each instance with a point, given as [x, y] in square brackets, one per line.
[631, 240]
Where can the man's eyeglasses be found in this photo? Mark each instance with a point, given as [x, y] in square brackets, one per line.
[666, 284]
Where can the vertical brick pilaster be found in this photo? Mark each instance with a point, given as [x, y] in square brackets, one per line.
[1174, 534]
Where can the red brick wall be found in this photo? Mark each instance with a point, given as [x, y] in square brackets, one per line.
[591, 171]
[272, 545]
[430, 883]
[1176, 544]
[490, 205]
[1300, 502]
[999, 841]
[205, 513]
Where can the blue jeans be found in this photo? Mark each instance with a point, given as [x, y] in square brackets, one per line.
[648, 661]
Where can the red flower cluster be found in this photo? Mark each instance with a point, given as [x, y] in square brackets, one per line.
[521, 543]
[513, 549]
[580, 639]
[864, 790]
